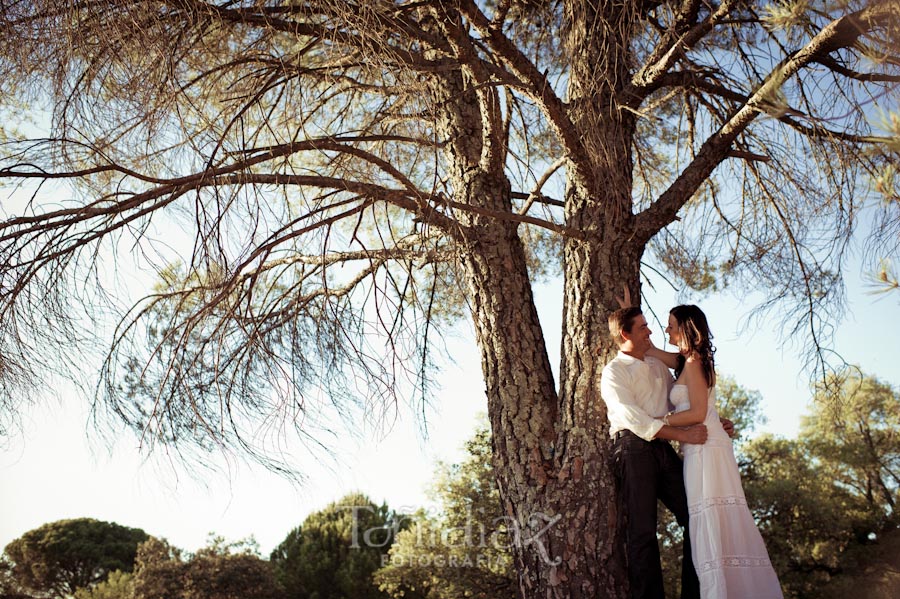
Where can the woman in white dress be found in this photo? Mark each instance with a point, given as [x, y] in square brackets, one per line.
[727, 549]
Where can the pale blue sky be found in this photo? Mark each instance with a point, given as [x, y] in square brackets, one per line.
[54, 470]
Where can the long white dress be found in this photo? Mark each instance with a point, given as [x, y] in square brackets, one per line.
[728, 551]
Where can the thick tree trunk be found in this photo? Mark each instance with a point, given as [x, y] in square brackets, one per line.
[517, 372]
[599, 204]
[551, 449]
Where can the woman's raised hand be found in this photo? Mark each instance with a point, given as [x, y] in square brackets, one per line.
[625, 300]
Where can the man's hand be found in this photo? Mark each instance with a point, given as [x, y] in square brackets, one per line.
[695, 435]
[728, 425]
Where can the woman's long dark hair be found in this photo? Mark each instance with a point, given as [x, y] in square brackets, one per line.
[696, 340]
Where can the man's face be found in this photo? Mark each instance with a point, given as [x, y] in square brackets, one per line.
[640, 334]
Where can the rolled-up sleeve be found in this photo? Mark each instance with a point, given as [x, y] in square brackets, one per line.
[623, 408]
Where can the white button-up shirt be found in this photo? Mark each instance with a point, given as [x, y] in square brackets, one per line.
[636, 393]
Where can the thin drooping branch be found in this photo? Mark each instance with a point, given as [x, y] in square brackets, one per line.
[835, 66]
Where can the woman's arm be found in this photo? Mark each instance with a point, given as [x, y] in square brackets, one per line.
[668, 358]
[698, 393]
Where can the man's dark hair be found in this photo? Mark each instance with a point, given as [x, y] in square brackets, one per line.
[621, 321]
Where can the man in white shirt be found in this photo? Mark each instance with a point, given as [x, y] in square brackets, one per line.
[635, 388]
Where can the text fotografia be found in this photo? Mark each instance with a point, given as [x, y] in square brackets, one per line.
[502, 534]
[479, 560]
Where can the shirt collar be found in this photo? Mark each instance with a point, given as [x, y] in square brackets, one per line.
[629, 359]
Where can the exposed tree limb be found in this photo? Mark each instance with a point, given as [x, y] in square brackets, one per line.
[838, 34]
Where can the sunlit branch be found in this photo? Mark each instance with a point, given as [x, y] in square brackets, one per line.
[837, 34]
[837, 67]
[745, 155]
[785, 114]
[670, 51]
[399, 253]
[535, 194]
[541, 199]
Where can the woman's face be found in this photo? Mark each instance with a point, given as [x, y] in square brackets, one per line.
[673, 331]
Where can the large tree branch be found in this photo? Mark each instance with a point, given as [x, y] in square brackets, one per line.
[425, 208]
[838, 34]
[531, 82]
[252, 157]
[400, 198]
[402, 251]
[690, 82]
[492, 126]
[673, 46]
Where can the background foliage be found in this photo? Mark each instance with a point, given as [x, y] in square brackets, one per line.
[824, 502]
[58, 558]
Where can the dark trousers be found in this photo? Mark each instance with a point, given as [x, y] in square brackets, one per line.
[647, 472]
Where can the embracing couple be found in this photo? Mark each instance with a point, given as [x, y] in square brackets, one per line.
[724, 554]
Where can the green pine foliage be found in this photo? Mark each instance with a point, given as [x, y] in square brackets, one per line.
[119, 585]
[58, 558]
[334, 553]
[853, 437]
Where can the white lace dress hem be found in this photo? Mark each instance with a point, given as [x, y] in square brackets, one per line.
[728, 552]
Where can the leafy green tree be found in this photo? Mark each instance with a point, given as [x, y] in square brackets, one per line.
[218, 571]
[463, 550]
[9, 586]
[159, 571]
[335, 551]
[872, 571]
[740, 405]
[229, 571]
[853, 435]
[59, 558]
[807, 520]
[346, 176]
[118, 585]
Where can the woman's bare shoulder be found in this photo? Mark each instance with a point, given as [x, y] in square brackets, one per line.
[692, 362]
